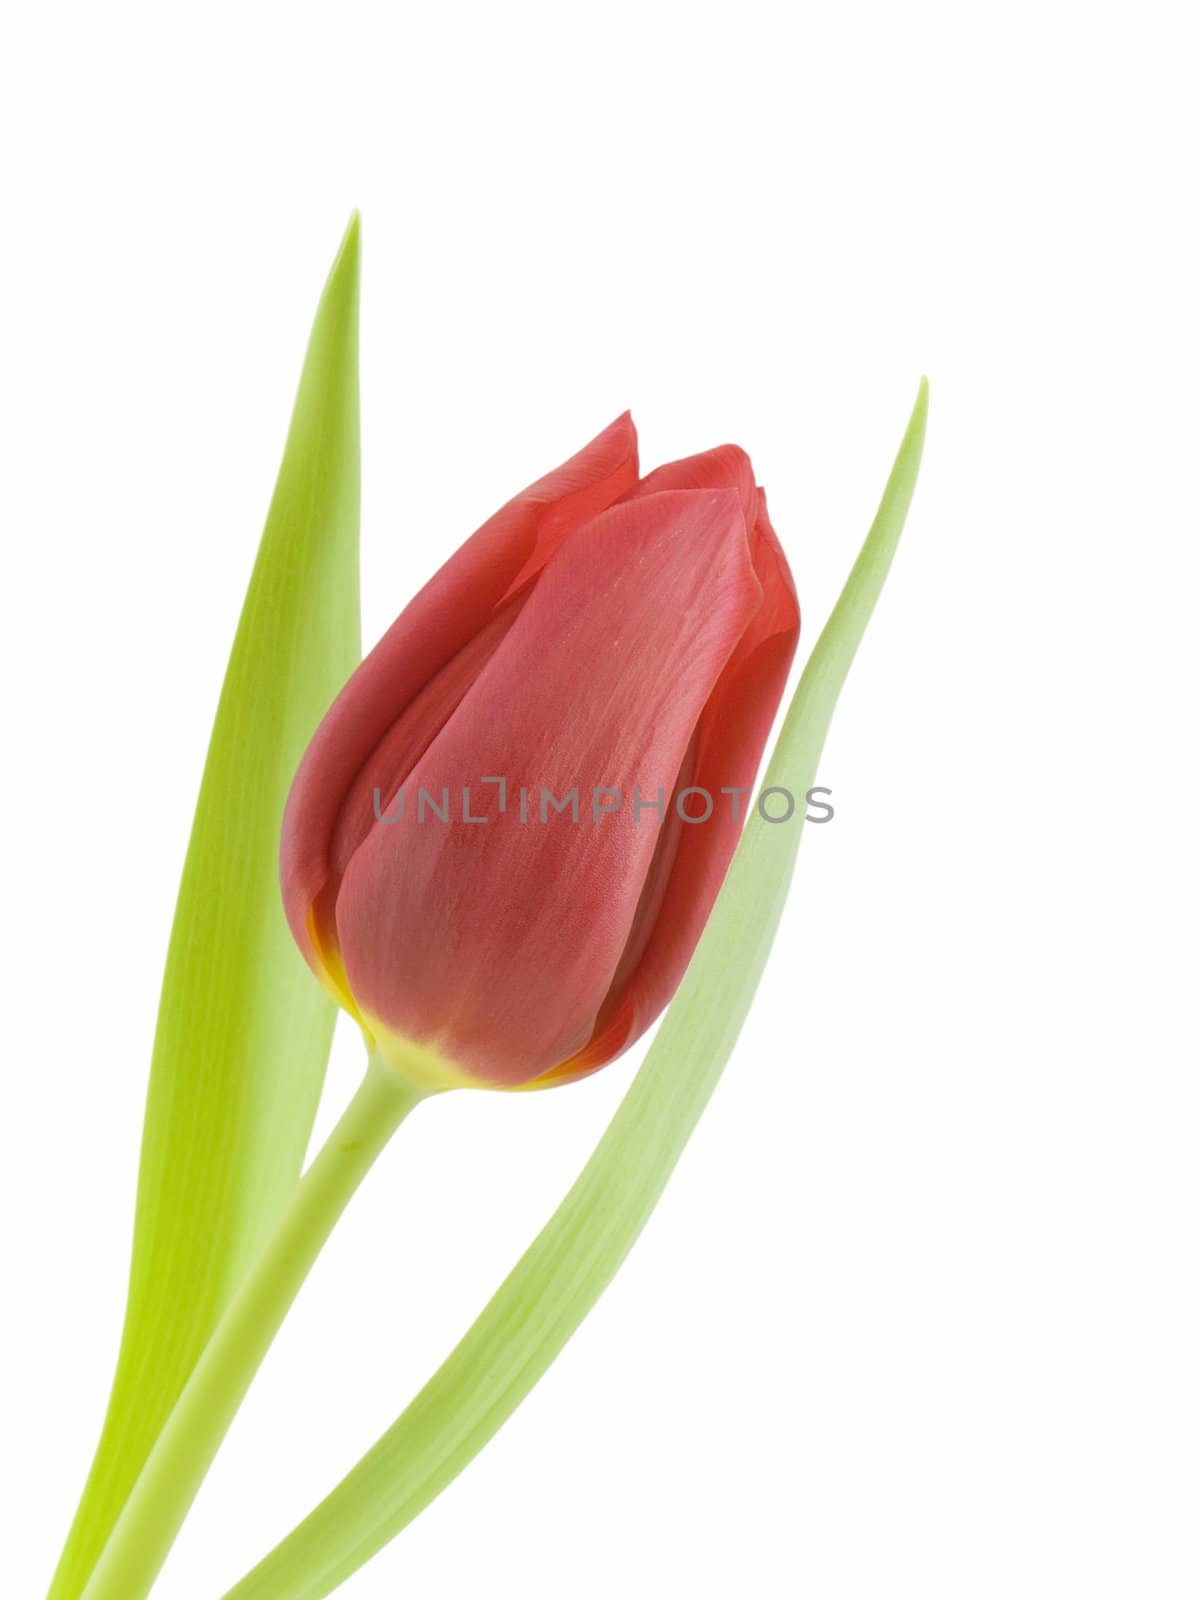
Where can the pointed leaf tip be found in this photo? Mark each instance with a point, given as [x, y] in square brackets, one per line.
[920, 410]
[350, 251]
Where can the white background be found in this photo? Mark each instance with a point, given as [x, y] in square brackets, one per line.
[918, 1315]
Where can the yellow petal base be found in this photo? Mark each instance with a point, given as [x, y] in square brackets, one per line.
[421, 1066]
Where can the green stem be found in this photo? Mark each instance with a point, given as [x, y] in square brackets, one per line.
[176, 1468]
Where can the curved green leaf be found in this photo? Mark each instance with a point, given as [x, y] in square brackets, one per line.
[243, 1031]
[563, 1273]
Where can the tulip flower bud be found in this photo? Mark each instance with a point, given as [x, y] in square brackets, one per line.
[503, 843]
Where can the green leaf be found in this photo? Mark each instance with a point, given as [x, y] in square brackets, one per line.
[561, 1276]
[243, 1030]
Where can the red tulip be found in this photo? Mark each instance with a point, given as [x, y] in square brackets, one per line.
[620, 640]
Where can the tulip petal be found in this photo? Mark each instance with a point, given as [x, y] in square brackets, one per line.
[726, 467]
[448, 613]
[495, 944]
[732, 734]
